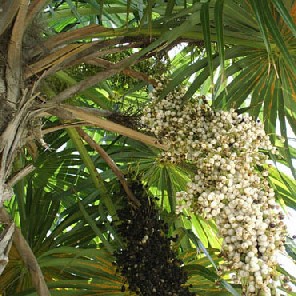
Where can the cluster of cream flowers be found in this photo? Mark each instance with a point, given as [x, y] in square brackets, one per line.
[226, 150]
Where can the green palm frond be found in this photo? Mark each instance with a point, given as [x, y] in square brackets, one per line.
[92, 65]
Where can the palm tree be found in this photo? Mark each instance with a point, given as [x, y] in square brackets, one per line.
[74, 78]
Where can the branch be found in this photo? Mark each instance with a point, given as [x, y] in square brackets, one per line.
[66, 37]
[139, 75]
[11, 138]
[55, 59]
[5, 245]
[72, 112]
[86, 83]
[111, 164]
[63, 126]
[129, 72]
[120, 46]
[27, 255]
[20, 174]
[14, 54]
[8, 11]
[66, 56]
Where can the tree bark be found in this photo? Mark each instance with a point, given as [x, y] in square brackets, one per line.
[15, 111]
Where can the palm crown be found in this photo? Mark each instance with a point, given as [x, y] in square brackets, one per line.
[75, 77]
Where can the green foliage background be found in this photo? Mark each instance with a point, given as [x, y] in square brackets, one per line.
[240, 53]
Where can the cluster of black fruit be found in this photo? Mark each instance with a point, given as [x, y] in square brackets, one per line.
[147, 261]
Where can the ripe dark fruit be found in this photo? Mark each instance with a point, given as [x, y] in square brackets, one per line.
[147, 261]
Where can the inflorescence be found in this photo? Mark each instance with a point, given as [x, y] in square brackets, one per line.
[230, 183]
[147, 260]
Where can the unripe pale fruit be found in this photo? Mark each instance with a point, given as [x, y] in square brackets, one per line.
[226, 187]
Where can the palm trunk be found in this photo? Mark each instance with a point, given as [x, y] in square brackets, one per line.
[15, 102]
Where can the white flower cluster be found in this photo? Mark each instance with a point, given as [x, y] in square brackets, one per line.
[226, 149]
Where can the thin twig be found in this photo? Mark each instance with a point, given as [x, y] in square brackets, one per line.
[27, 255]
[111, 164]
